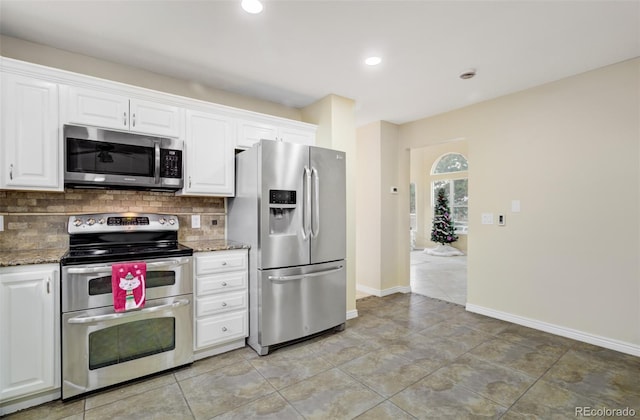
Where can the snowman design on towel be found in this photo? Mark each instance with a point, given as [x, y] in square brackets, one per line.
[129, 283]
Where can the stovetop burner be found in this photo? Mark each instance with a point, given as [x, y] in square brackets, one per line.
[113, 237]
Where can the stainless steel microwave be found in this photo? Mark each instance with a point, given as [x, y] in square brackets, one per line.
[99, 158]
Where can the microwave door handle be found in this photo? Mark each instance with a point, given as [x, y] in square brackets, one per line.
[107, 268]
[121, 315]
[157, 166]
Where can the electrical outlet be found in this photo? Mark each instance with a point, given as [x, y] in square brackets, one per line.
[214, 222]
[195, 221]
[501, 221]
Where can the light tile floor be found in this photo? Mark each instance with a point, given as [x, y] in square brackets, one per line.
[443, 278]
[404, 357]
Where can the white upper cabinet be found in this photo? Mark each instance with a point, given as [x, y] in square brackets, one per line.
[30, 143]
[108, 110]
[305, 135]
[210, 158]
[252, 131]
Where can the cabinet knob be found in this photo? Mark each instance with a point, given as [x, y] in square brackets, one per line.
[224, 263]
[224, 304]
[224, 329]
[224, 283]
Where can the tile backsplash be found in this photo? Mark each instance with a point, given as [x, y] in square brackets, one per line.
[38, 220]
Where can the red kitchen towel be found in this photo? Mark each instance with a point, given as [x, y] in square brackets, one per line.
[128, 285]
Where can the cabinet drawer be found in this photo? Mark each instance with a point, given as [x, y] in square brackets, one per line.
[222, 282]
[225, 302]
[219, 329]
[221, 261]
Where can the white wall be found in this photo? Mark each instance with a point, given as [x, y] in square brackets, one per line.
[569, 151]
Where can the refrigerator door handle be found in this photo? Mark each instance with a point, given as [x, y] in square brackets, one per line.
[302, 276]
[306, 204]
[315, 214]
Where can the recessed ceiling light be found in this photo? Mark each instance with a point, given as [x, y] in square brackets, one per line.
[373, 61]
[468, 74]
[252, 6]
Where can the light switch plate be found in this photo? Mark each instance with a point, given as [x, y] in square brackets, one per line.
[515, 206]
[487, 218]
[195, 221]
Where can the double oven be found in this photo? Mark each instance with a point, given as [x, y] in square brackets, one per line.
[102, 347]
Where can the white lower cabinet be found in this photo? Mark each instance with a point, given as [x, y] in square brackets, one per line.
[30, 334]
[221, 294]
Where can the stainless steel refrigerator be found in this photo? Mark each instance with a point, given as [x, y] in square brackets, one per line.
[290, 208]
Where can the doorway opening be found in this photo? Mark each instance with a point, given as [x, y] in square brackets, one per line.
[432, 168]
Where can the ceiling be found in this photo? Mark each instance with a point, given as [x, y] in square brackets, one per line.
[296, 52]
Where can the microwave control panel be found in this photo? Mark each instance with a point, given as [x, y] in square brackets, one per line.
[170, 163]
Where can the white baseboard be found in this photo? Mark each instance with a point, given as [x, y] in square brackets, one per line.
[609, 343]
[381, 293]
[352, 314]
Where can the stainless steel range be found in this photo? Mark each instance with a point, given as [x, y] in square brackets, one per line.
[102, 347]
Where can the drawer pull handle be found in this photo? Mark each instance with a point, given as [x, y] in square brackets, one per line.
[224, 283]
[224, 304]
[224, 329]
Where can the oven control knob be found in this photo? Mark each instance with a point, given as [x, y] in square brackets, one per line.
[91, 222]
[172, 221]
[77, 222]
[162, 221]
[102, 221]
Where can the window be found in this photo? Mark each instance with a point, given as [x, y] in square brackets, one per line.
[451, 162]
[456, 188]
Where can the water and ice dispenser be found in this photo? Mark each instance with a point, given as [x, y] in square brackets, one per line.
[282, 211]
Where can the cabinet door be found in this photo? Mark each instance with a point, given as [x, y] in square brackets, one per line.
[209, 155]
[154, 118]
[250, 132]
[30, 140]
[28, 325]
[100, 109]
[297, 135]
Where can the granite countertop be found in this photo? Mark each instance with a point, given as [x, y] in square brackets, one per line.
[35, 256]
[214, 245]
[53, 256]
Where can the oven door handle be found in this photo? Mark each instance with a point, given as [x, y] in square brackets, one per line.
[122, 315]
[107, 268]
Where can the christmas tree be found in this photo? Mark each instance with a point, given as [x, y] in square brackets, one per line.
[443, 231]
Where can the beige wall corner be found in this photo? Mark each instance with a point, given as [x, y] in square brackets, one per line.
[368, 208]
[19, 49]
[569, 153]
[335, 118]
[382, 205]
